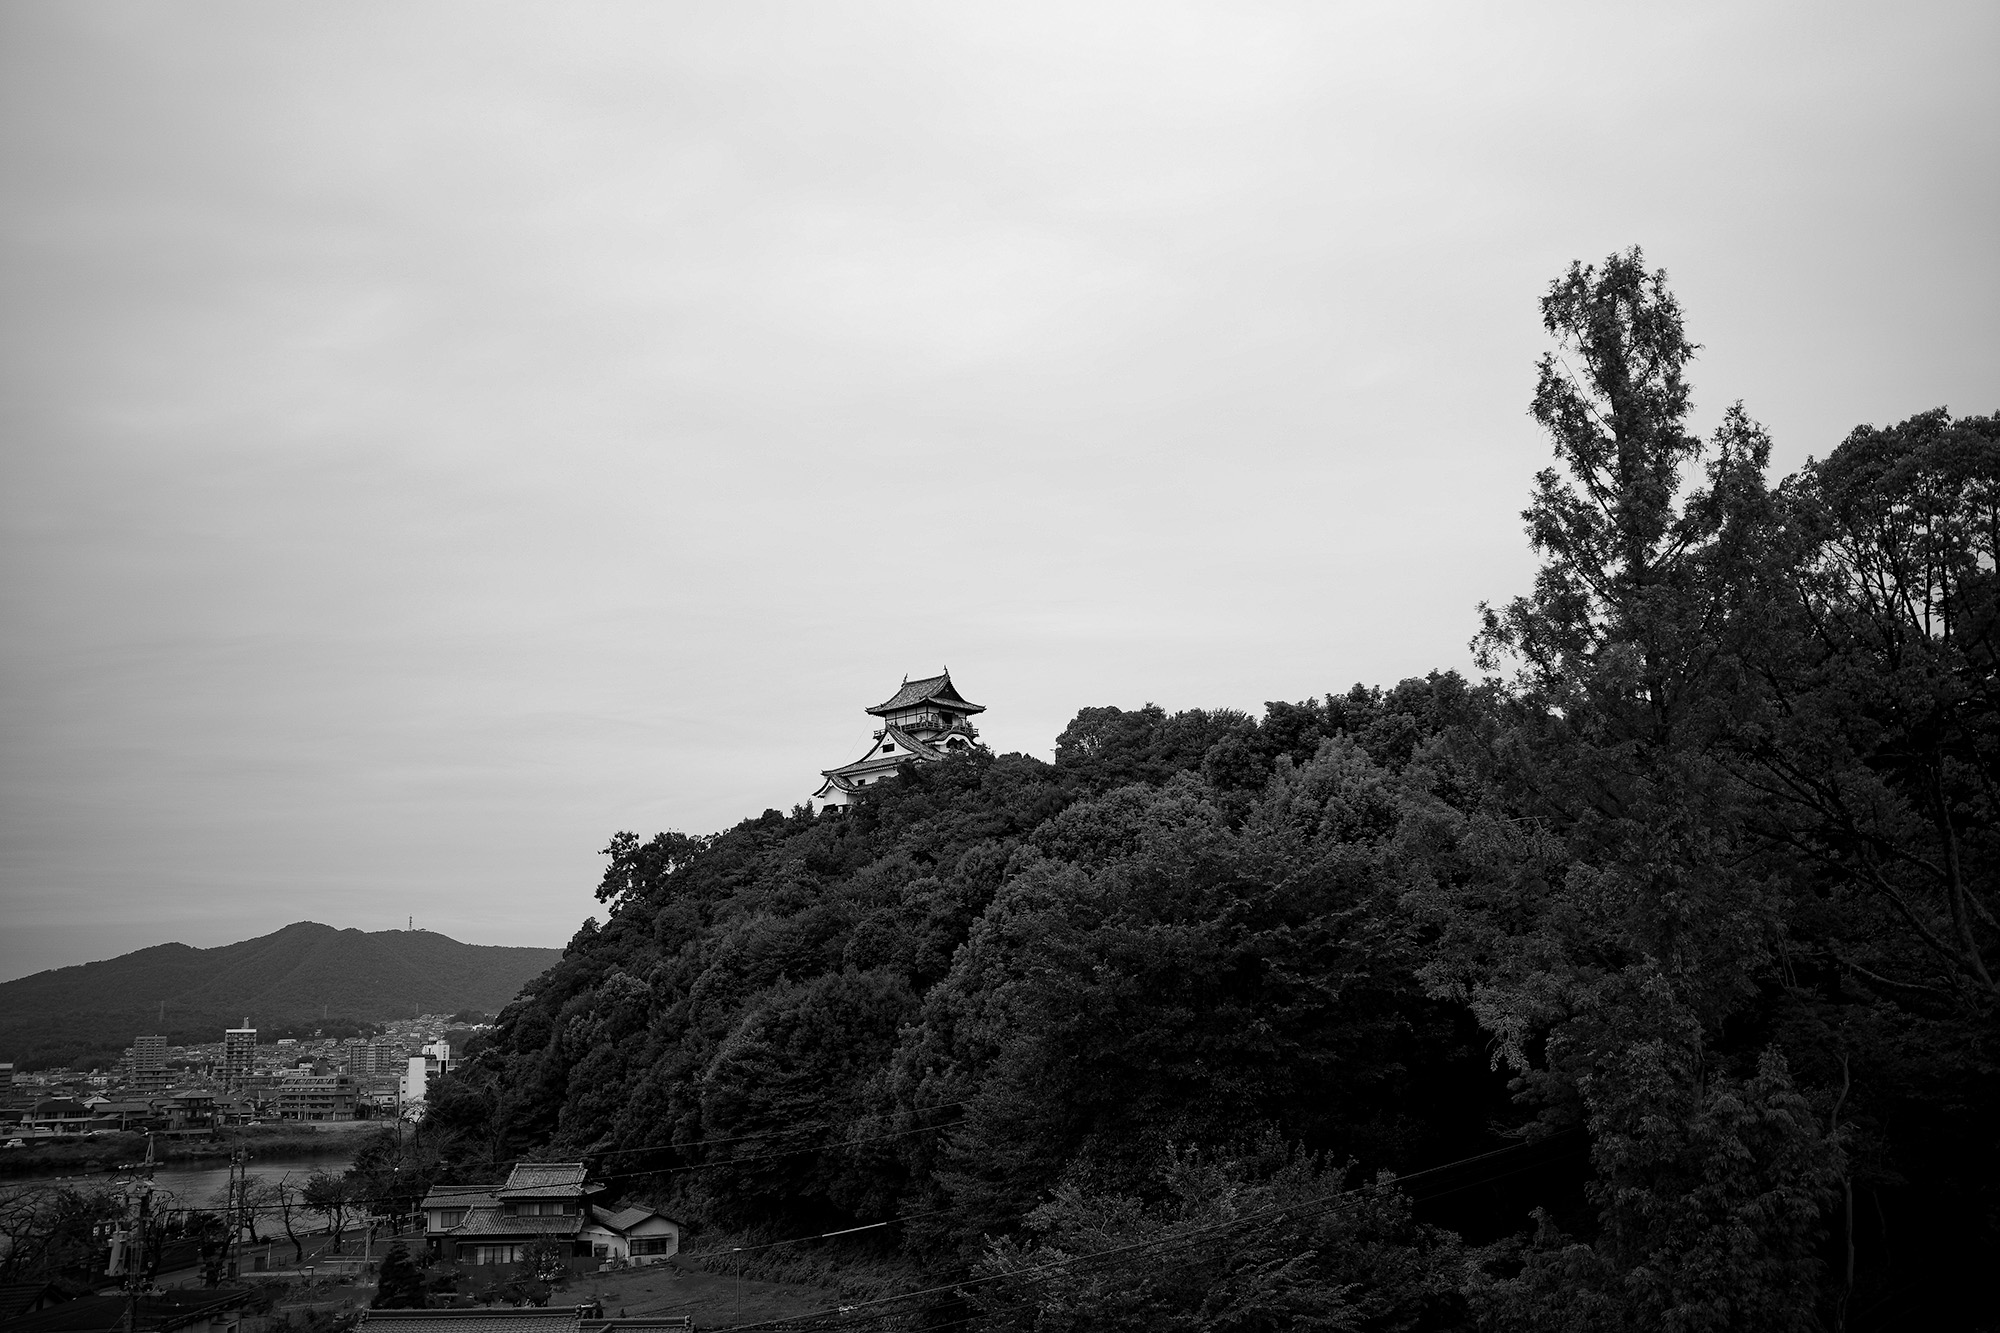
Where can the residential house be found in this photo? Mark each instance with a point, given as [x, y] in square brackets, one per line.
[235, 1110]
[541, 1202]
[19, 1298]
[188, 1108]
[633, 1235]
[447, 1206]
[57, 1115]
[122, 1114]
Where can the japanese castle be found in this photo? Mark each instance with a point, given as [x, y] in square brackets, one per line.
[925, 720]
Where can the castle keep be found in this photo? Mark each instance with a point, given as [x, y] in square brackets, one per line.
[925, 720]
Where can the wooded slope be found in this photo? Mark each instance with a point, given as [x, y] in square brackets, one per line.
[1702, 882]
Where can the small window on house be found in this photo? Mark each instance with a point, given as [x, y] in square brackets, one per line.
[887, 748]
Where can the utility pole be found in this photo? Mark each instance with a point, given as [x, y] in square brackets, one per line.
[135, 1279]
[233, 1209]
[135, 1249]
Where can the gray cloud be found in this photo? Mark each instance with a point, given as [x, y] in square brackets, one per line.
[437, 436]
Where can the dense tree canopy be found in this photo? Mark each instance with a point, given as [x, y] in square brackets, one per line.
[1647, 983]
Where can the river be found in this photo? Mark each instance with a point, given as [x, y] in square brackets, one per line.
[193, 1184]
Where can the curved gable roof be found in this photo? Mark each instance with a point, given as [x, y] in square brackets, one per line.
[543, 1180]
[929, 689]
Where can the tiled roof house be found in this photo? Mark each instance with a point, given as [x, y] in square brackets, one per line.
[540, 1202]
[19, 1298]
[485, 1224]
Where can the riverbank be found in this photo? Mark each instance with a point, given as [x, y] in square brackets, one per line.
[105, 1152]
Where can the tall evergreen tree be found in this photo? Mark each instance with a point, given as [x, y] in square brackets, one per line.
[1646, 924]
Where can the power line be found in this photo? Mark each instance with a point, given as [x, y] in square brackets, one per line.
[824, 1235]
[776, 1156]
[1275, 1212]
[766, 1134]
[881, 1306]
[364, 1200]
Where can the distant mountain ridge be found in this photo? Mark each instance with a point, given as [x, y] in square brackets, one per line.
[292, 976]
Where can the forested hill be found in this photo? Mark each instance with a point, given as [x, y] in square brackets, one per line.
[290, 977]
[1660, 966]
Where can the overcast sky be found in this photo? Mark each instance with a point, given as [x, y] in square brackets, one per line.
[437, 436]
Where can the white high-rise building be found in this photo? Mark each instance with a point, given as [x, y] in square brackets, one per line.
[416, 1080]
[239, 1053]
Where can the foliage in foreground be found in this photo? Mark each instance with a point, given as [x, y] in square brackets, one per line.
[1702, 875]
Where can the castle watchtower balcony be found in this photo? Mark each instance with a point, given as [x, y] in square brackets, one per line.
[924, 721]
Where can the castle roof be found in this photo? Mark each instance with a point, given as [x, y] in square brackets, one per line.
[931, 689]
[875, 760]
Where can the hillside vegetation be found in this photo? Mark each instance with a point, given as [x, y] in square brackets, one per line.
[1647, 983]
[288, 978]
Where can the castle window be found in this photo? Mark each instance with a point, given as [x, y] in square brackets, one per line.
[887, 748]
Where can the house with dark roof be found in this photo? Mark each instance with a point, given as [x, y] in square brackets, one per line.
[123, 1114]
[185, 1108]
[541, 1202]
[57, 1115]
[922, 722]
[19, 1298]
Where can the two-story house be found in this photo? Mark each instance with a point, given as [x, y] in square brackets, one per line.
[541, 1202]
